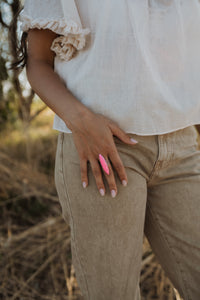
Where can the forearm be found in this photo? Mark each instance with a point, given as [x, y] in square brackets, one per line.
[52, 90]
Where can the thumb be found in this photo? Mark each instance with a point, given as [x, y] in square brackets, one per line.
[121, 134]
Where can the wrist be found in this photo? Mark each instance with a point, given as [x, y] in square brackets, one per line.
[78, 115]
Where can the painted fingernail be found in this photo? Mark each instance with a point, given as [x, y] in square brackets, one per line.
[124, 182]
[133, 141]
[84, 184]
[113, 193]
[102, 192]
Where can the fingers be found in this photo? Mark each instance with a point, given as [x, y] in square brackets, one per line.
[90, 146]
[97, 172]
[118, 166]
[110, 179]
[98, 176]
[84, 177]
[121, 134]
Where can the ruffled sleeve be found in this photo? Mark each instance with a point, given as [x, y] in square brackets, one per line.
[60, 16]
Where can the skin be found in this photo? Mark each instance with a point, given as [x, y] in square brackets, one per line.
[92, 132]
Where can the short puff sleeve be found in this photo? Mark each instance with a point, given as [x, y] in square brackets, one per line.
[52, 15]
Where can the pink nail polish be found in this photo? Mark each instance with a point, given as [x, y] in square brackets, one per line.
[104, 164]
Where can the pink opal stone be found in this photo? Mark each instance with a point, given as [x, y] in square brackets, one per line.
[103, 164]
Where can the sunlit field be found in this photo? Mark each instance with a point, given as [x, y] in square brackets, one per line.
[35, 255]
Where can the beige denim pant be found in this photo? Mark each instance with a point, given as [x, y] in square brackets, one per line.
[161, 200]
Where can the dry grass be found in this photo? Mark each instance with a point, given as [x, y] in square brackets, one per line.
[35, 253]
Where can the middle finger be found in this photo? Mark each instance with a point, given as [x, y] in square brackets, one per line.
[110, 178]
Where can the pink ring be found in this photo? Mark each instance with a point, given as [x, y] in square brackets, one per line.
[104, 164]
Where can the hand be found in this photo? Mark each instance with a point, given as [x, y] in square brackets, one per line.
[93, 136]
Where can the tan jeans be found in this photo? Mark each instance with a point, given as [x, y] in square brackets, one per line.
[161, 200]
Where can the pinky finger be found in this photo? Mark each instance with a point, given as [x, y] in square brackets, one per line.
[84, 177]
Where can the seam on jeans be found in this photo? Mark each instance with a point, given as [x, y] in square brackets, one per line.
[58, 176]
[64, 203]
[155, 168]
[179, 269]
[56, 168]
[135, 256]
[157, 162]
[72, 221]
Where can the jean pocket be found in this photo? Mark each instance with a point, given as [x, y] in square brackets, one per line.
[194, 136]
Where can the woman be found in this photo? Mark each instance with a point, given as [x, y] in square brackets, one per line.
[123, 80]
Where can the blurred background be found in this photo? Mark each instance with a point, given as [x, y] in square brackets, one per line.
[35, 253]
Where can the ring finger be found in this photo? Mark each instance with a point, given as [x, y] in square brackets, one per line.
[110, 178]
[98, 176]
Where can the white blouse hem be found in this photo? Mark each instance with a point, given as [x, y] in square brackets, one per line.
[67, 130]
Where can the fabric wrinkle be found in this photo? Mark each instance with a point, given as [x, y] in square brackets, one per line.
[141, 72]
[108, 232]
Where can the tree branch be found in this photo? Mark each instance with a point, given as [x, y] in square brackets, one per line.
[31, 96]
[2, 21]
[37, 113]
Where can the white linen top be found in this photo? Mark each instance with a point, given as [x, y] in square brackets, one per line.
[135, 61]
